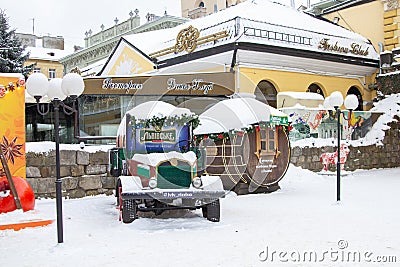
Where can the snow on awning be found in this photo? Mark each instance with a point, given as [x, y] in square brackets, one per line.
[150, 109]
[236, 113]
[158, 109]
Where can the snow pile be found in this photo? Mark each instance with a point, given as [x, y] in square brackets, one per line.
[47, 146]
[302, 216]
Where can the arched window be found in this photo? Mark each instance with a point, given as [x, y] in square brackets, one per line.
[314, 88]
[354, 91]
[201, 4]
[266, 92]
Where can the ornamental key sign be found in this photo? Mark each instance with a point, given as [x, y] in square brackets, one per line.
[354, 48]
[187, 40]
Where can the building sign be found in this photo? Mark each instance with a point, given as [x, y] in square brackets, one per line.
[202, 84]
[278, 120]
[154, 136]
[157, 140]
[196, 84]
[355, 49]
[108, 84]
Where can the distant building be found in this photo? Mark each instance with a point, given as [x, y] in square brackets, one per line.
[45, 52]
[98, 46]
[200, 8]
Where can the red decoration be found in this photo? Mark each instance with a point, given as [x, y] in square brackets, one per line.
[258, 128]
[220, 136]
[21, 82]
[205, 136]
[2, 91]
[290, 127]
[331, 158]
[11, 87]
[25, 193]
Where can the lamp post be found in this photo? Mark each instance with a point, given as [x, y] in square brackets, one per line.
[57, 90]
[335, 100]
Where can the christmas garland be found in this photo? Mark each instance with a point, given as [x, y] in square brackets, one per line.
[242, 132]
[11, 87]
[166, 121]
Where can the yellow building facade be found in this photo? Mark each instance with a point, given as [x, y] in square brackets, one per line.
[368, 19]
[377, 20]
[47, 67]
[241, 54]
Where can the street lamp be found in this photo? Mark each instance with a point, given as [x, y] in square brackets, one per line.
[335, 100]
[57, 90]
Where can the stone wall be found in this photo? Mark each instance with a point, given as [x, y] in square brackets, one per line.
[362, 157]
[82, 173]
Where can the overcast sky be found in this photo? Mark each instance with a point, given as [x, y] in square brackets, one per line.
[72, 18]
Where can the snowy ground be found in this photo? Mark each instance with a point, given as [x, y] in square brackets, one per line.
[301, 219]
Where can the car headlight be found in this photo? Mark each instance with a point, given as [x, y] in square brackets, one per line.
[197, 183]
[152, 183]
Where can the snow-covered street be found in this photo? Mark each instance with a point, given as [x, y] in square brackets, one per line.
[299, 225]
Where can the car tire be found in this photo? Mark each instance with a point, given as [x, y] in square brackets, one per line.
[213, 211]
[129, 210]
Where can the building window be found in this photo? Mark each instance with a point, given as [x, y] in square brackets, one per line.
[201, 4]
[52, 73]
[266, 92]
[36, 70]
[314, 88]
[215, 8]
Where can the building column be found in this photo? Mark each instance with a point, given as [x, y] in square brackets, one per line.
[391, 21]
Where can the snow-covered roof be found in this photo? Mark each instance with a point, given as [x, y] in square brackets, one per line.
[263, 22]
[46, 53]
[235, 113]
[94, 68]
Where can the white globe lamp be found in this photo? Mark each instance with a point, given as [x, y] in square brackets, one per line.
[72, 84]
[351, 102]
[55, 91]
[336, 99]
[37, 85]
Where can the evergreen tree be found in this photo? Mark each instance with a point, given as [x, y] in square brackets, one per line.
[12, 55]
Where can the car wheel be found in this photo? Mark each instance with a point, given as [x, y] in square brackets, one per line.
[213, 211]
[129, 210]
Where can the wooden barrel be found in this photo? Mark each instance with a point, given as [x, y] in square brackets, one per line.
[249, 162]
